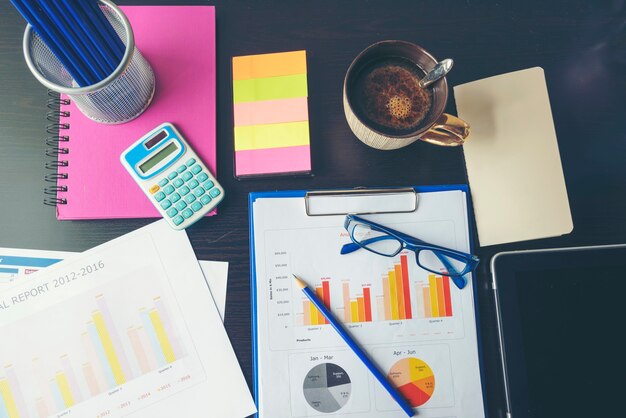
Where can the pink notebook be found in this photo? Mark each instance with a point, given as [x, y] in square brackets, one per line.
[179, 43]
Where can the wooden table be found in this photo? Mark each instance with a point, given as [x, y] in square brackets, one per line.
[580, 44]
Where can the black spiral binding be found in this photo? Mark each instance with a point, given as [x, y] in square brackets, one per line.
[57, 145]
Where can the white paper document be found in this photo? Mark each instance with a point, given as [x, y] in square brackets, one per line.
[121, 329]
[19, 263]
[418, 327]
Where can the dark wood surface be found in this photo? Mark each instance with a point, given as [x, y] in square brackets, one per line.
[580, 44]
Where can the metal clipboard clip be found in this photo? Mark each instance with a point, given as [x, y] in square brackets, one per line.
[361, 201]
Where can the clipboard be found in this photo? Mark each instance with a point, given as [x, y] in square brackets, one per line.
[319, 203]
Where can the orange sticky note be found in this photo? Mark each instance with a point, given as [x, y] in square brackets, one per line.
[269, 65]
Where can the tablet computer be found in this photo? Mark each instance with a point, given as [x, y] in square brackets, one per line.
[561, 323]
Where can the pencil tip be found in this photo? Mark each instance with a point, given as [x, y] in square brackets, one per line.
[299, 281]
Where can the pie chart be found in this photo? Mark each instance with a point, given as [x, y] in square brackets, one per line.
[415, 380]
[327, 387]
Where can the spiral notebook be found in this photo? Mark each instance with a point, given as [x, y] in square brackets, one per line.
[87, 179]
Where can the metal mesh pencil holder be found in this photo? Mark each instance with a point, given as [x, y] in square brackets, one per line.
[120, 97]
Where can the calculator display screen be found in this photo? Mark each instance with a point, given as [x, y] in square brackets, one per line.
[160, 156]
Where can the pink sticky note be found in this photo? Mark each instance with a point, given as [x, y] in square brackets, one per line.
[273, 160]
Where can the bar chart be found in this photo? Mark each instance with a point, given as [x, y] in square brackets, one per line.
[123, 339]
[378, 298]
[310, 314]
[434, 299]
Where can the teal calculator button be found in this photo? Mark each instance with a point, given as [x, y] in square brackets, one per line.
[175, 197]
[196, 206]
[190, 162]
[166, 204]
[172, 212]
[172, 175]
[205, 199]
[208, 185]
[169, 189]
[181, 169]
[196, 169]
[215, 192]
[183, 190]
[178, 220]
[181, 205]
[186, 176]
[178, 182]
[163, 182]
[202, 177]
[190, 198]
[193, 184]
[187, 213]
[199, 191]
[159, 196]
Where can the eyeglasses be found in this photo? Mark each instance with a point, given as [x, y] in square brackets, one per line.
[388, 242]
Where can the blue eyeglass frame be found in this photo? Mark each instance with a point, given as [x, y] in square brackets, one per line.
[414, 244]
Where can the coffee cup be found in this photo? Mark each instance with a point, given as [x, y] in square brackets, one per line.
[384, 105]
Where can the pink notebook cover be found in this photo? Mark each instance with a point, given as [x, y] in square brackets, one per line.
[179, 43]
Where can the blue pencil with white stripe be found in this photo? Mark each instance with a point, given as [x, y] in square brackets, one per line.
[395, 394]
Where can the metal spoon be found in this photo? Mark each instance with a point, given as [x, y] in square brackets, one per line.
[442, 68]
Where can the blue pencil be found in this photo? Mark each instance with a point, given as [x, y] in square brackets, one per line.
[81, 28]
[50, 36]
[115, 42]
[406, 407]
[98, 34]
[58, 17]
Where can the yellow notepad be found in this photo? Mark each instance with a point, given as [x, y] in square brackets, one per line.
[513, 163]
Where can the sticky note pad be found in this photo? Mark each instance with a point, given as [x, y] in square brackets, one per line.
[271, 115]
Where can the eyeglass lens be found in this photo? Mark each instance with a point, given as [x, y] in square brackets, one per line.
[375, 240]
[431, 261]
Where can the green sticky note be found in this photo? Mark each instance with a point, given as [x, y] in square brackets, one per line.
[270, 88]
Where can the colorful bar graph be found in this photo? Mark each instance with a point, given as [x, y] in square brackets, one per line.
[434, 299]
[9, 405]
[397, 293]
[109, 349]
[164, 341]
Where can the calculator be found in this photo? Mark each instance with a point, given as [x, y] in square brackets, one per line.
[172, 175]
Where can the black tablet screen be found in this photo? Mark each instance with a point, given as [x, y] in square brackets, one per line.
[570, 345]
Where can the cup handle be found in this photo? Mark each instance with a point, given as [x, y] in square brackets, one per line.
[448, 131]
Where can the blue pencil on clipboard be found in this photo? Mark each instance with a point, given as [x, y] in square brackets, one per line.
[395, 394]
